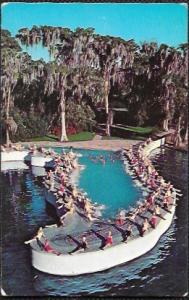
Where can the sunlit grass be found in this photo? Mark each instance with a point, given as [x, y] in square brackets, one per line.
[137, 129]
[136, 133]
[81, 136]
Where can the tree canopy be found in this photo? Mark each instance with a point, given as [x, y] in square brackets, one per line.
[89, 71]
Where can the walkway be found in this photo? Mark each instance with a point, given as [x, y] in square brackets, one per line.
[114, 145]
[97, 137]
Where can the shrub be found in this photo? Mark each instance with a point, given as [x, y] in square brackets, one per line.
[29, 126]
[79, 117]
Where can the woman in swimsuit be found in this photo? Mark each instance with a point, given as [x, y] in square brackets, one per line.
[120, 218]
[166, 202]
[153, 221]
[49, 249]
[61, 190]
[48, 177]
[109, 240]
[128, 233]
[157, 212]
[149, 201]
[39, 235]
[83, 246]
[145, 227]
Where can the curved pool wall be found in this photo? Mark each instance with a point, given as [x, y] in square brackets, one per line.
[95, 261]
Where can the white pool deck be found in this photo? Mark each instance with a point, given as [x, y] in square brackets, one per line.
[38, 160]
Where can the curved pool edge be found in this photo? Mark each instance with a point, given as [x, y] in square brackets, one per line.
[97, 261]
[100, 260]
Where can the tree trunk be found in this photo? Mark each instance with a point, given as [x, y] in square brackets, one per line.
[106, 103]
[63, 137]
[107, 108]
[111, 116]
[166, 120]
[109, 120]
[7, 117]
[165, 125]
[107, 125]
[186, 136]
[178, 139]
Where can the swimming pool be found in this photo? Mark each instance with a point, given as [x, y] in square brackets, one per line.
[107, 184]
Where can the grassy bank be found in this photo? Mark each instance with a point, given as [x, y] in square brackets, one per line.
[132, 133]
[81, 136]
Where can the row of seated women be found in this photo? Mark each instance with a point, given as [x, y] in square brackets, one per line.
[12, 147]
[161, 196]
[45, 245]
[32, 148]
[67, 195]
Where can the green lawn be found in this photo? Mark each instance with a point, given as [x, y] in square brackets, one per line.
[137, 129]
[133, 132]
[138, 133]
[81, 136]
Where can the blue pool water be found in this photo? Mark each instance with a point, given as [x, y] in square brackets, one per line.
[107, 184]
